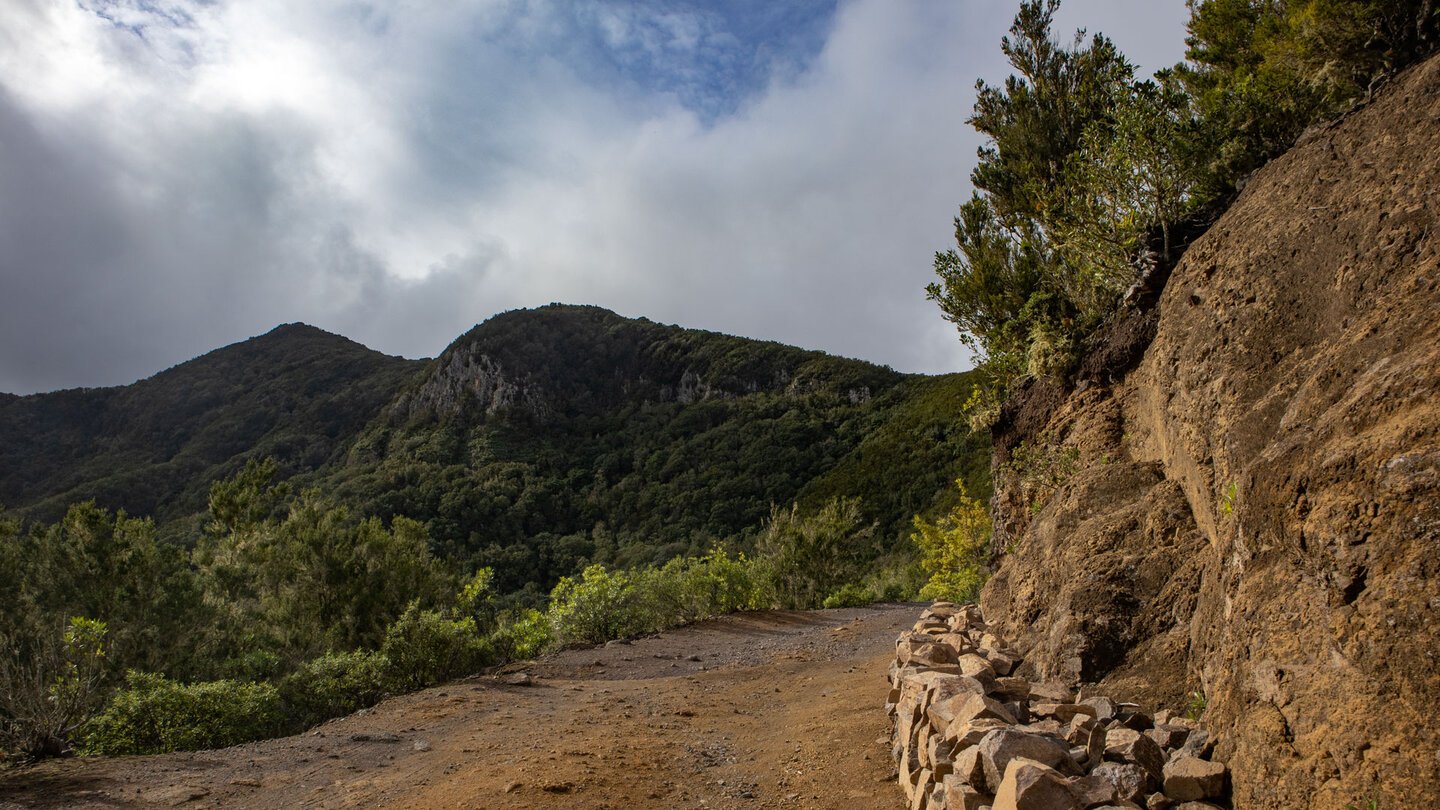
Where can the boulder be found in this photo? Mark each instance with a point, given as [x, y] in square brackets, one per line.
[1062, 712]
[1051, 692]
[1168, 737]
[1190, 778]
[1131, 781]
[958, 795]
[1105, 708]
[1198, 744]
[969, 733]
[1031, 785]
[1127, 745]
[980, 707]
[938, 754]
[1002, 745]
[969, 767]
[928, 654]
[1093, 791]
[1012, 689]
[976, 666]
[948, 697]
[1004, 661]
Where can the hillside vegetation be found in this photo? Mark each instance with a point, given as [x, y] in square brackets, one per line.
[296, 393]
[556, 476]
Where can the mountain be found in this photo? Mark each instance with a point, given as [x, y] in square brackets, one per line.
[297, 393]
[1248, 514]
[546, 437]
[537, 442]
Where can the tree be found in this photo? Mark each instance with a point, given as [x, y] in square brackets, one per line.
[810, 556]
[1041, 114]
[1133, 174]
[953, 550]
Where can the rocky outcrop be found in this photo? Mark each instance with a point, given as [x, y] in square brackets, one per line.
[1252, 513]
[967, 734]
[467, 377]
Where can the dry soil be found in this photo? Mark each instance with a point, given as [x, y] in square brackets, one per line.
[761, 710]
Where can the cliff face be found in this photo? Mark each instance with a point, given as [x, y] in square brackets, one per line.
[1253, 512]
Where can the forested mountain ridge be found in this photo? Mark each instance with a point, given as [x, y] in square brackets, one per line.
[545, 438]
[539, 441]
[297, 393]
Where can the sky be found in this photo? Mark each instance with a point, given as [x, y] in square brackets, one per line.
[179, 175]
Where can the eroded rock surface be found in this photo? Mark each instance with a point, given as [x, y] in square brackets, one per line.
[1249, 517]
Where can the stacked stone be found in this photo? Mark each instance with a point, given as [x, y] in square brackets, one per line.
[970, 734]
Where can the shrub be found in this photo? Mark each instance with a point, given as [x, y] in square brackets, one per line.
[953, 550]
[153, 715]
[600, 606]
[1042, 466]
[50, 690]
[425, 648]
[809, 556]
[851, 594]
[522, 636]
[334, 685]
[690, 588]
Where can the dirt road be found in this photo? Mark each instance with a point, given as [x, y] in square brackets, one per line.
[763, 710]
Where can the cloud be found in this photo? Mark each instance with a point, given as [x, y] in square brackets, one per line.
[177, 174]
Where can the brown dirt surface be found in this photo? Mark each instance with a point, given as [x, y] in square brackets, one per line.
[759, 710]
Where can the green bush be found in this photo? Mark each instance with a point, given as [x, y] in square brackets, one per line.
[334, 685]
[851, 594]
[600, 606]
[687, 589]
[525, 635]
[424, 647]
[953, 550]
[153, 715]
[809, 556]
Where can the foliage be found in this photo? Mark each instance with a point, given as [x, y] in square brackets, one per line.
[98, 565]
[603, 605]
[810, 556]
[334, 685]
[48, 691]
[688, 589]
[1041, 466]
[152, 448]
[314, 581]
[1019, 299]
[1086, 172]
[851, 594]
[1136, 170]
[954, 550]
[425, 647]
[599, 606]
[154, 715]
[1259, 72]
[1195, 706]
[525, 634]
[1227, 500]
[1038, 119]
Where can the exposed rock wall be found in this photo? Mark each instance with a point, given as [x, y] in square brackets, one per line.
[1253, 512]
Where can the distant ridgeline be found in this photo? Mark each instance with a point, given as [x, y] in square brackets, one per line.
[538, 442]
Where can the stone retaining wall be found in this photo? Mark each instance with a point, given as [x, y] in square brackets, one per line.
[968, 734]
